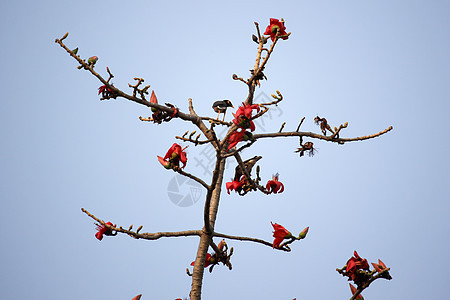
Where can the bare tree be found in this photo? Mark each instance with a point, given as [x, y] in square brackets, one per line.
[240, 131]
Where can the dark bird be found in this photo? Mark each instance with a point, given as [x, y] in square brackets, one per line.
[249, 163]
[221, 107]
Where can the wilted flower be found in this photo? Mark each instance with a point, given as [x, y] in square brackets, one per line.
[274, 186]
[308, 146]
[274, 27]
[279, 234]
[323, 123]
[103, 230]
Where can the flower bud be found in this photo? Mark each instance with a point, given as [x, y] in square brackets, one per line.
[92, 60]
[303, 234]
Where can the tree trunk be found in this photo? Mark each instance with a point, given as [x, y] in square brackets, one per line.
[205, 239]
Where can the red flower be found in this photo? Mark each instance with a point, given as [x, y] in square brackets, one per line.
[103, 230]
[207, 260]
[104, 88]
[274, 186]
[276, 25]
[173, 157]
[243, 122]
[235, 185]
[221, 244]
[242, 117]
[238, 136]
[107, 92]
[356, 263]
[246, 110]
[353, 289]
[153, 98]
[380, 266]
[279, 234]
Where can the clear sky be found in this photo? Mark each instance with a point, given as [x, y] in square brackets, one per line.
[371, 64]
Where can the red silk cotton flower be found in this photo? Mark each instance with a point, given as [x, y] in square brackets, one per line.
[379, 267]
[246, 110]
[274, 26]
[242, 117]
[238, 136]
[279, 234]
[235, 185]
[244, 122]
[356, 263]
[103, 230]
[173, 157]
[207, 261]
[274, 186]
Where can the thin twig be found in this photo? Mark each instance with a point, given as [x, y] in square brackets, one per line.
[235, 77]
[336, 132]
[300, 124]
[239, 149]
[179, 170]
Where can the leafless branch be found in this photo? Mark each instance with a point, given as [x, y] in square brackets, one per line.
[194, 141]
[179, 170]
[249, 239]
[337, 130]
[320, 137]
[235, 77]
[146, 236]
[239, 149]
[300, 124]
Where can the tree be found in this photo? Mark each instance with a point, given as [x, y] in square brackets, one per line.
[239, 130]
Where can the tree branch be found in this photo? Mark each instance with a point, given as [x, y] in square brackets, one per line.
[179, 170]
[320, 137]
[367, 283]
[249, 239]
[247, 174]
[146, 236]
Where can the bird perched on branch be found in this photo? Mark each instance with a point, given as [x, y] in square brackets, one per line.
[221, 107]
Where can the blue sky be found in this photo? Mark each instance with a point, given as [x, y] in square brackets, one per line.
[371, 64]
